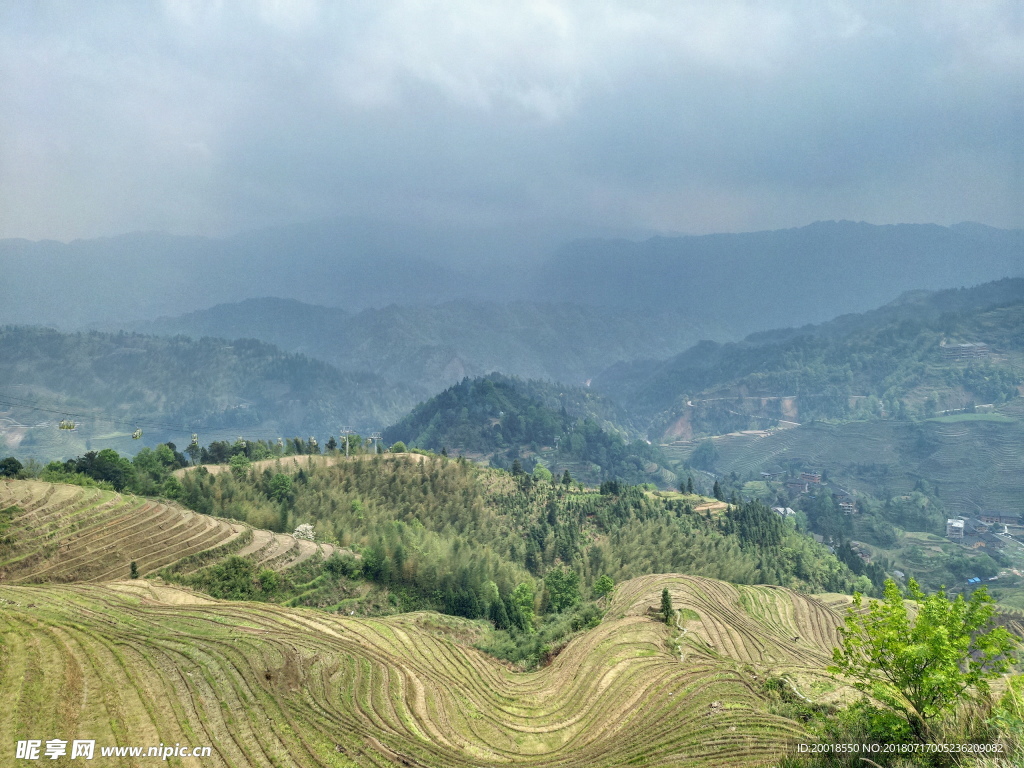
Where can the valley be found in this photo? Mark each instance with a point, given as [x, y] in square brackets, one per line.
[479, 582]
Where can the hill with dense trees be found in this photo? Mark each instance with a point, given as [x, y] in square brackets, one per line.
[109, 385]
[901, 361]
[507, 421]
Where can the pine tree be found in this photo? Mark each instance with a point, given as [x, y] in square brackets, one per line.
[717, 492]
[667, 612]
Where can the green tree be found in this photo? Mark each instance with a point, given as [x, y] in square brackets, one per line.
[563, 585]
[922, 666]
[667, 611]
[717, 492]
[399, 447]
[133, 570]
[239, 464]
[522, 598]
[603, 586]
[540, 472]
[10, 467]
[280, 487]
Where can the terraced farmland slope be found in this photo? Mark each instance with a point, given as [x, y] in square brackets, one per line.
[978, 463]
[65, 533]
[137, 662]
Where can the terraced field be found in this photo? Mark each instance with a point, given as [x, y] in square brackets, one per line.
[137, 662]
[978, 465]
[65, 533]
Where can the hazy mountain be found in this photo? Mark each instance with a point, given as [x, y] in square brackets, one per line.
[111, 384]
[430, 347]
[107, 282]
[890, 362]
[783, 278]
[751, 281]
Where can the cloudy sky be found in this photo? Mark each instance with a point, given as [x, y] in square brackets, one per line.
[211, 117]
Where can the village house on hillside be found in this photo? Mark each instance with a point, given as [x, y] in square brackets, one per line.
[999, 518]
[970, 351]
[972, 533]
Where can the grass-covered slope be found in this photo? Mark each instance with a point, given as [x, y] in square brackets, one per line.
[138, 663]
[66, 533]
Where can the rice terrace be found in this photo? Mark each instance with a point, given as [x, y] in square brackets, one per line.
[97, 655]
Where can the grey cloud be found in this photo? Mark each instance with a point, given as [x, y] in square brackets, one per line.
[203, 117]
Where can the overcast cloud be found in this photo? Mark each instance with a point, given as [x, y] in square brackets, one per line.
[212, 117]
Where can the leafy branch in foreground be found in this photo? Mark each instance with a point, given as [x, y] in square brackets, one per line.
[922, 666]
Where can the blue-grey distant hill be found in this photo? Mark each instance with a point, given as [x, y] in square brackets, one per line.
[784, 278]
[431, 347]
[741, 282]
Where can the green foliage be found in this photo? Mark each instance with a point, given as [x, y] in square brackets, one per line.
[232, 579]
[508, 420]
[754, 524]
[6, 515]
[10, 467]
[603, 586]
[668, 613]
[281, 487]
[537, 647]
[239, 464]
[541, 473]
[133, 570]
[1008, 716]
[563, 588]
[923, 666]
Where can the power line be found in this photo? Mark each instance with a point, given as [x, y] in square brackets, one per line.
[18, 402]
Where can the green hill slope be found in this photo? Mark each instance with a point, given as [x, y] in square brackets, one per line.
[110, 384]
[139, 664]
[431, 347]
[503, 419]
[898, 362]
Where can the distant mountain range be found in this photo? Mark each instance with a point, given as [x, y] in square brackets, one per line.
[738, 282]
[783, 278]
[430, 347]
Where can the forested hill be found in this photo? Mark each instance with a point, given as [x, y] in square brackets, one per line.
[507, 420]
[898, 362]
[112, 384]
[429, 348]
